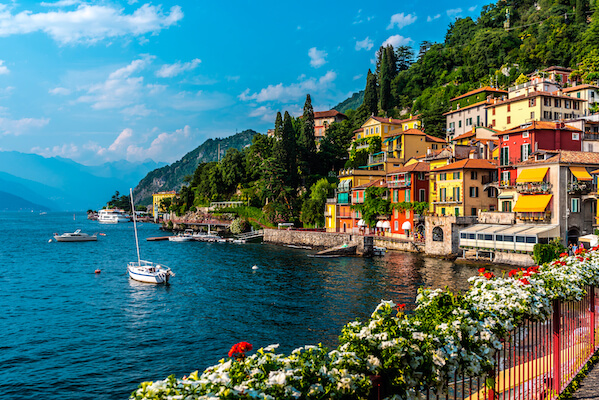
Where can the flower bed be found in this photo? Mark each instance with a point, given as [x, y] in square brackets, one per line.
[448, 333]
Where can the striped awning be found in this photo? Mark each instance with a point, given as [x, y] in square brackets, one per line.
[532, 203]
[581, 173]
[532, 175]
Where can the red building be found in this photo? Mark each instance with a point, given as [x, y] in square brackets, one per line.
[516, 144]
[408, 184]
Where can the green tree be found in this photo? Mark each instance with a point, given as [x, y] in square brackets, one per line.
[522, 79]
[405, 57]
[374, 205]
[385, 77]
[370, 105]
[313, 206]
[582, 6]
[306, 142]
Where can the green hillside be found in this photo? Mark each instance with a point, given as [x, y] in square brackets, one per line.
[171, 177]
[351, 103]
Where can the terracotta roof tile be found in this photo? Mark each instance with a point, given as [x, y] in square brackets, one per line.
[415, 167]
[469, 163]
[480, 103]
[482, 89]
[464, 136]
[327, 114]
[537, 125]
[379, 182]
[579, 87]
[565, 157]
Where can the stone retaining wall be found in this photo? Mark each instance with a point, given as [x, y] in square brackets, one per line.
[316, 240]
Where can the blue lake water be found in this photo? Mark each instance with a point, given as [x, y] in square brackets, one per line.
[68, 333]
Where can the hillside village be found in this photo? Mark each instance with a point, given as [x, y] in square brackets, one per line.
[517, 168]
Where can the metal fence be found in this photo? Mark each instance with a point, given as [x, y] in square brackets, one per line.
[538, 360]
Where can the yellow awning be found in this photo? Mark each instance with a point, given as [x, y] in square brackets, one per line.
[532, 203]
[532, 175]
[581, 173]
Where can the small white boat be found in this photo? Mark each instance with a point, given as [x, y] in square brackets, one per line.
[146, 271]
[181, 238]
[76, 236]
[379, 251]
[112, 216]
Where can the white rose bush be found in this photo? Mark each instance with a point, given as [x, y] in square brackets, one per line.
[445, 334]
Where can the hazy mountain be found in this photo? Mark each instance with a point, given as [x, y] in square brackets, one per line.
[171, 176]
[63, 184]
[10, 202]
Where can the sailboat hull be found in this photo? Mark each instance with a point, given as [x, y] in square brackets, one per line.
[147, 274]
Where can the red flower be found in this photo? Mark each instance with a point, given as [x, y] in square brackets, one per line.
[238, 350]
[482, 270]
[525, 281]
[563, 255]
[514, 272]
[489, 275]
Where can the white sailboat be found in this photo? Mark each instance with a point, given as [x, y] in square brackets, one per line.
[146, 271]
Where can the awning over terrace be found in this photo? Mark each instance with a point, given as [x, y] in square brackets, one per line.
[581, 173]
[533, 203]
[532, 175]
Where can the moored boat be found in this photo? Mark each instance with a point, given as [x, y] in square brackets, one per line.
[76, 236]
[112, 216]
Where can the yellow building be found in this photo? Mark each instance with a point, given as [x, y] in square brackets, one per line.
[330, 216]
[590, 93]
[412, 143]
[157, 200]
[378, 126]
[458, 188]
[533, 106]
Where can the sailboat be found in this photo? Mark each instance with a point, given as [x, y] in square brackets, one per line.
[146, 271]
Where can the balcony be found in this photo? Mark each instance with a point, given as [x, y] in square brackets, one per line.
[402, 183]
[332, 200]
[377, 158]
[590, 136]
[534, 187]
[542, 217]
[508, 184]
[447, 200]
[581, 187]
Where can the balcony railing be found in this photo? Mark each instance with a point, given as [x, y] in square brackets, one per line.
[534, 217]
[332, 201]
[581, 187]
[506, 162]
[447, 200]
[590, 136]
[534, 187]
[399, 183]
[377, 158]
[507, 184]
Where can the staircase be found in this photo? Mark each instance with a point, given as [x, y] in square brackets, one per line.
[251, 235]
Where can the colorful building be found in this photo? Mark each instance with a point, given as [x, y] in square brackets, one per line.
[469, 110]
[323, 119]
[408, 184]
[533, 106]
[358, 197]
[378, 126]
[590, 93]
[516, 145]
[157, 199]
[462, 188]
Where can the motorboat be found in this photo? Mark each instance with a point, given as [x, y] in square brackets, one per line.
[142, 270]
[112, 216]
[181, 238]
[379, 251]
[76, 236]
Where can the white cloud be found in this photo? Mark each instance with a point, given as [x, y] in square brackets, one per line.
[60, 91]
[364, 44]
[67, 150]
[17, 127]
[165, 147]
[454, 12]
[120, 89]
[60, 3]
[170, 70]
[265, 113]
[89, 23]
[400, 20]
[356, 77]
[431, 19]
[3, 68]
[138, 110]
[472, 8]
[294, 91]
[396, 41]
[317, 57]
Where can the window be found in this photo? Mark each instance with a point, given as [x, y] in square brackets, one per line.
[405, 128]
[442, 176]
[421, 176]
[506, 206]
[525, 151]
[456, 194]
[488, 237]
[525, 134]
[377, 129]
[505, 156]
[459, 123]
[407, 213]
[499, 238]
[408, 195]
[567, 104]
[396, 225]
[457, 175]
[520, 239]
[506, 137]
[531, 239]
[493, 122]
[438, 232]
[509, 119]
[395, 195]
[508, 238]
[442, 213]
[478, 120]
[442, 194]
[575, 136]
[473, 211]
[493, 113]
[509, 107]
[473, 191]
[492, 193]
[472, 175]
[575, 205]
[491, 207]
[456, 212]
[547, 101]
[505, 176]
[532, 102]
[421, 195]
[547, 114]
[532, 115]
[557, 103]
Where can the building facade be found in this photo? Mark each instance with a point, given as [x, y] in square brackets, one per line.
[408, 184]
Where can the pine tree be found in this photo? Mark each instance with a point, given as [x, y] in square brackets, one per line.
[307, 140]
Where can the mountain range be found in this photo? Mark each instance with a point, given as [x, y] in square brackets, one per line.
[171, 177]
[33, 182]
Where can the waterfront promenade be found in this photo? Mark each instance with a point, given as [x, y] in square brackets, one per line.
[589, 387]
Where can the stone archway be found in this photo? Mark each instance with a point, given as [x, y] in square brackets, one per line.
[573, 235]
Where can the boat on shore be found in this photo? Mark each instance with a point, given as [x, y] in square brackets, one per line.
[181, 238]
[112, 216]
[142, 270]
[76, 236]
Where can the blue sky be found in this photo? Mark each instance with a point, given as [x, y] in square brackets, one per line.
[102, 81]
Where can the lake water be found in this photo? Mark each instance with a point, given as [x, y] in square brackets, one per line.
[68, 333]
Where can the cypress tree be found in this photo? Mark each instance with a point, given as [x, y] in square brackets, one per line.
[290, 146]
[307, 140]
[371, 99]
[385, 82]
[280, 148]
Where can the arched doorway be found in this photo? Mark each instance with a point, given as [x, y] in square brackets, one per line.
[573, 235]
[437, 234]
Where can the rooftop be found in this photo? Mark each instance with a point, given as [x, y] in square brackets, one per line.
[414, 167]
[534, 93]
[327, 114]
[538, 125]
[482, 89]
[579, 87]
[564, 157]
[469, 163]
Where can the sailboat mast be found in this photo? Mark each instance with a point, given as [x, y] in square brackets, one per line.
[135, 226]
